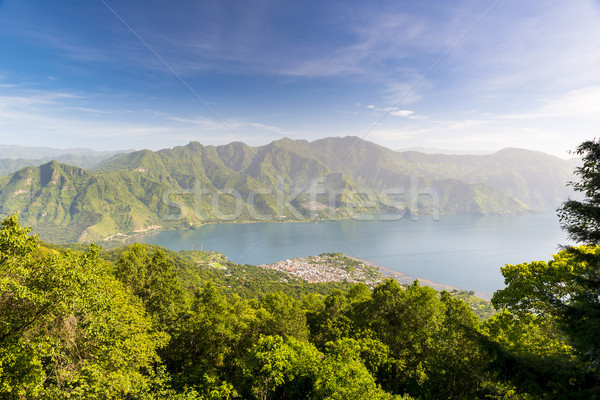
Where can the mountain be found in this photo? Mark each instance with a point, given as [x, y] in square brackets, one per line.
[66, 203]
[10, 165]
[342, 164]
[23, 152]
[535, 178]
[285, 180]
[14, 158]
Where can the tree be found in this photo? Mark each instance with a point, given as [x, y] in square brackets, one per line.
[562, 290]
[283, 316]
[278, 368]
[344, 376]
[566, 290]
[528, 355]
[210, 340]
[68, 328]
[581, 219]
[153, 279]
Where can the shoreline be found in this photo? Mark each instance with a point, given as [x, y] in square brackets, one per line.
[124, 239]
[406, 279]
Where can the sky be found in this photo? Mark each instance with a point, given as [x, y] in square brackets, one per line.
[465, 75]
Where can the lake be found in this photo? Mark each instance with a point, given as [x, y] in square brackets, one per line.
[464, 251]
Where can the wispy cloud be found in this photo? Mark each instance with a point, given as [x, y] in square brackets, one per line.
[395, 112]
[213, 125]
[548, 48]
[371, 37]
[580, 103]
[530, 71]
[31, 105]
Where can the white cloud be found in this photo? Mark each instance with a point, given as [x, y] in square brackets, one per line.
[402, 113]
[29, 106]
[215, 125]
[395, 112]
[580, 103]
[87, 109]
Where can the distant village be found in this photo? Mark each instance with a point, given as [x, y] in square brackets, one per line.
[329, 267]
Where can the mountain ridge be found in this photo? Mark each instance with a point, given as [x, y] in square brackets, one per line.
[186, 186]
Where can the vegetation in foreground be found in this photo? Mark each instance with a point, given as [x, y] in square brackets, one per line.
[134, 323]
[140, 322]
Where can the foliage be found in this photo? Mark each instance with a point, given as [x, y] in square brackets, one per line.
[67, 324]
[581, 219]
[141, 322]
[557, 302]
[154, 281]
[533, 356]
[278, 368]
[560, 292]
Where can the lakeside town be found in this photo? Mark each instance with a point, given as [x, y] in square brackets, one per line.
[329, 267]
[338, 267]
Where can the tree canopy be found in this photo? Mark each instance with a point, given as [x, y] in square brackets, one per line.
[561, 298]
[581, 218]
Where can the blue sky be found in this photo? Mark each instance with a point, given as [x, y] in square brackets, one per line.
[468, 75]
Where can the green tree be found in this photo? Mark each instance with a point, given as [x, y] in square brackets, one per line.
[581, 219]
[211, 339]
[344, 376]
[558, 291]
[67, 326]
[411, 340]
[566, 288]
[25, 306]
[278, 368]
[153, 279]
[284, 316]
[564, 292]
[530, 356]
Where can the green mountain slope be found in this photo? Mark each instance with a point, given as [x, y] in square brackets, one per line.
[537, 179]
[285, 180]
[65, 203]
[534, 178]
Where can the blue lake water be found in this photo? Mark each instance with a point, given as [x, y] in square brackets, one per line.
[464, 251]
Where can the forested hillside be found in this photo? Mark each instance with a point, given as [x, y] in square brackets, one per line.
[142, 322]
[285, 180]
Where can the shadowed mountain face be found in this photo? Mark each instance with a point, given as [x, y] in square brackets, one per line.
[284, 180]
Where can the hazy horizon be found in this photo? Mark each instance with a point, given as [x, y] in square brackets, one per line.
[55, 151]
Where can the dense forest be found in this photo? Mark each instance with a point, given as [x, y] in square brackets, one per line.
[140, 322]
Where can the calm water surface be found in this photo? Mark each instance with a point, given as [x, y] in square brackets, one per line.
[465, 251]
